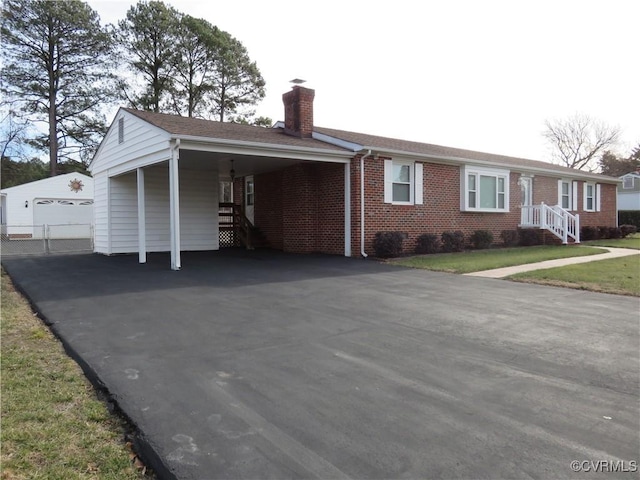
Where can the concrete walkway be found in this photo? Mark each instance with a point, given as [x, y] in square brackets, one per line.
[560, 262]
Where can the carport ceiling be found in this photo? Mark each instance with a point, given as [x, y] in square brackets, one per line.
[242, 164]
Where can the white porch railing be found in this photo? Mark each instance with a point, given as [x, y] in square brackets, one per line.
[557, 220]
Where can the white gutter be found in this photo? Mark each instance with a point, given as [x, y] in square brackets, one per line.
[362, 252]
[289, 150]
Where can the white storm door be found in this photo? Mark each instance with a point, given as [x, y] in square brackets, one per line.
[249, 198]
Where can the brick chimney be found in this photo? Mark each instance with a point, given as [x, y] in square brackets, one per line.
[298, 111]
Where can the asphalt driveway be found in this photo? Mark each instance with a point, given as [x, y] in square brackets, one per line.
[265, 365]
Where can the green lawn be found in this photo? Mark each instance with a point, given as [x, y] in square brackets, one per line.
[476, 261]
[617, 275]
[53, 425]
[632, 241]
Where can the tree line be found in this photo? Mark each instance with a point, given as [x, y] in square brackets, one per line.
[62, 69]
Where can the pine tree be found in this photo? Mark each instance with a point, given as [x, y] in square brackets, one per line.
[57, 72]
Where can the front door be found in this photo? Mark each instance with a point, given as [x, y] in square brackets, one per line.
[526, 188]
[527, 194]
[249, 198]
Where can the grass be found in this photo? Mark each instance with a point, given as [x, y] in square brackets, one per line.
[632, 241]
[617, 275]
[479, 260]
[53, 424]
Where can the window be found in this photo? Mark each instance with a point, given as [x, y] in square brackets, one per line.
[249, 194]
[627, 182]
[402, 182]
[565, 195]
[485, 190]
[591, 197]
[568, 194]
[121, 130]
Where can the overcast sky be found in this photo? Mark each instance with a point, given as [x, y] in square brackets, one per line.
[482, 75]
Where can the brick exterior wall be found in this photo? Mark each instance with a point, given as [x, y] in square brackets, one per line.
[301, 208]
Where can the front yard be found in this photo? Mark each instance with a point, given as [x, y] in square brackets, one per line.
[476, 261]
[618, 275]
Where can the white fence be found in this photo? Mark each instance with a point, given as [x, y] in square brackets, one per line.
[17, 240]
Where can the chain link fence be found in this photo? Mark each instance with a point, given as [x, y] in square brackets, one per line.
[19, 240]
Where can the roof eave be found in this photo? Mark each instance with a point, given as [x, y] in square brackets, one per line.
[451, 160]
[289, 151]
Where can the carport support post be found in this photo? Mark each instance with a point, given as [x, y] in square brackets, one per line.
[142, 224]
[174, 206]
[347, 209]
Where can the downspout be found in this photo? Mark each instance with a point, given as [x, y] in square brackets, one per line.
[368, 154]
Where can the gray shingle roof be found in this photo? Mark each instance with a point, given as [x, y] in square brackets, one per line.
[439, 151]
[185, 126]
[197, 127]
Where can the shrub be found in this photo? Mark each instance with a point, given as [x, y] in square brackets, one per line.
[481, 239]
[388, 244]
[427, 243]
[615, 232]
[528, 237]
[626, 230]
[589, 233]
[509, 238]
[603, 232]
[629, 217]
[453, 241]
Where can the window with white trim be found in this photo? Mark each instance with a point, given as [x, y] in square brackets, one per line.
[484, 190]
[250, 194]
[589, 197]
[403, 182]
[568, 194]
[565, 195]
[627, 182]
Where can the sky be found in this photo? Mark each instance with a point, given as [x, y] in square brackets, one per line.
[482, 75]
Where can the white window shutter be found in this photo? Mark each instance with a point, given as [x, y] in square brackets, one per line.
[418, 184]
[388, 181]
[584, 196]
[559, 192]
[574, 192]
[597, 197]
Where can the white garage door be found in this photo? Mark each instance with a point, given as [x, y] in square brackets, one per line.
[66, 218]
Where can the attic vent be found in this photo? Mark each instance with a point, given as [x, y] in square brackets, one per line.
[121, 130]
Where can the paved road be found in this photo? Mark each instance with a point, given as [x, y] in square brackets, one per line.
[264, 365]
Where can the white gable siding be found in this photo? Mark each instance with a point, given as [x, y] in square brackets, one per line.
[143, 145]
[198, 211]
[123, 213]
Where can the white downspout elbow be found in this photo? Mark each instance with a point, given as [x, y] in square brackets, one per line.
[362, 252]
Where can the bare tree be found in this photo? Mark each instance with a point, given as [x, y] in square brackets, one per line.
[12, 136]
[578, 140]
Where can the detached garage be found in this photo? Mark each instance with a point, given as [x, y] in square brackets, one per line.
[63, 203]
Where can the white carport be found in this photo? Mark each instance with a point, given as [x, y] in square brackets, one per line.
[157, 178]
